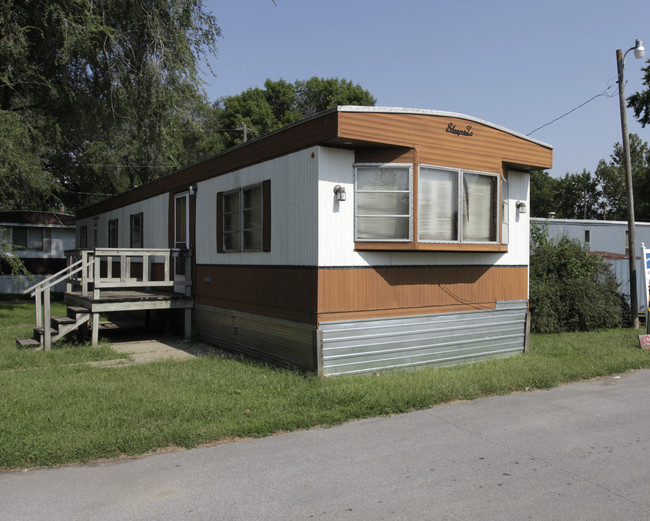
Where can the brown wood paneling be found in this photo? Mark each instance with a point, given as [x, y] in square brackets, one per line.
[385, 155]
[276, 291]
[424, 246]
[311, 295]
[486, 150]
[397, 291]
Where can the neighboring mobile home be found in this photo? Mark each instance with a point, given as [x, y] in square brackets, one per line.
[359, 239]
[40, 240]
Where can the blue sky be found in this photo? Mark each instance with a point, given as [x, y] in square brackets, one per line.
[518, 64]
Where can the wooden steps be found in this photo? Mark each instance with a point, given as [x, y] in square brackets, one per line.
[59, 327]
[27, 343]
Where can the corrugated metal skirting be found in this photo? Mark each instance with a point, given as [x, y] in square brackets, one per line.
[278, 341]
[445, 339]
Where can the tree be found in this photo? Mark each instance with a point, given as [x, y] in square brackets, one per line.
[574, 196]
[281, 103]
[570, 288]
[578, 196]
[640, 101]
[543, 190]
[99, 92]
[611, 177]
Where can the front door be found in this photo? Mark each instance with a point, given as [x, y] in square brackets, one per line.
[181, 237]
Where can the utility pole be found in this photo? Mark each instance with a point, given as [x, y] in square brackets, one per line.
[639, 52]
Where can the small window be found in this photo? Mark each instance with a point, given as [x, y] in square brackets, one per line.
[383, 203]
[83, 237]
[479, 207]
[136, 231]
[95, 233]
[437, 205]
[588, 236]
[244, 219]
[112, 233]
[33, 239]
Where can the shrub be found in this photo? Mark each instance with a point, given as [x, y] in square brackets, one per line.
[571, 289]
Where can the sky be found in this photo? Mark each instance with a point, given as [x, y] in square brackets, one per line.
[519, 64]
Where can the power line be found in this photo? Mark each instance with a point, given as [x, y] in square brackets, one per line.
[603, 93]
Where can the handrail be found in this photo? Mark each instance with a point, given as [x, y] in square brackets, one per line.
[52, 280]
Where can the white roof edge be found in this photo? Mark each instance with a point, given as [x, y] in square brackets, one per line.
[428, 112]
[595, 222]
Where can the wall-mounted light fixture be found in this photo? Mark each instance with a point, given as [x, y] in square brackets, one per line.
[521, 207]
[192, 189]
[339, 192]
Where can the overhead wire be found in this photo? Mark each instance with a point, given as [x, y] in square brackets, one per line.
[601, 94]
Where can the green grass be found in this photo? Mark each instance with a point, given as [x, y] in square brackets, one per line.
[53, 412]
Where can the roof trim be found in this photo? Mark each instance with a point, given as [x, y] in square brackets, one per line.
[441, 113]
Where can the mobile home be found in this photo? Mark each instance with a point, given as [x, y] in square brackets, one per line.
[39, 240]
[359, 239]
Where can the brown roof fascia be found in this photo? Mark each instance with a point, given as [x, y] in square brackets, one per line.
[318, 129]
[37, 218]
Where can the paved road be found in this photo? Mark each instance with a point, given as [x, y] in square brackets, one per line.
[579, 452]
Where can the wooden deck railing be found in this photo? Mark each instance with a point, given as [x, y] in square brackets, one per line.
[113, 268]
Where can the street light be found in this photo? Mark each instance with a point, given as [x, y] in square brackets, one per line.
[639, 52]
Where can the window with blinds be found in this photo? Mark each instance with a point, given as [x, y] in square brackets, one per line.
[383, 203]
[453, 205]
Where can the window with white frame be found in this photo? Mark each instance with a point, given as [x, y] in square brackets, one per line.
[242, 218]
[383, 203]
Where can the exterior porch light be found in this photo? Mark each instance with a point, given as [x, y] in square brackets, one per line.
[639, 52]
[339, 192]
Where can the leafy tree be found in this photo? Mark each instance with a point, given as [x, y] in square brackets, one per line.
[280, 103]
[574, 196]
[10, 263]
[94, 84]
[611, 176]
[543, 190]
[578, 196]
[571, 289]
[640, 101]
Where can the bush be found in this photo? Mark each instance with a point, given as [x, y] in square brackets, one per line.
[571, 289]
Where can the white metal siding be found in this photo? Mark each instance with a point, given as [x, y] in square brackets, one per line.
[605, 236]
[336, 225]
[155, 211]
[336, 218]
[294, 211]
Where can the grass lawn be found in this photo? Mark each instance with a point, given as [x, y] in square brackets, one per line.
[55, 409]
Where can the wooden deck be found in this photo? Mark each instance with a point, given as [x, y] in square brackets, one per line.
[109, 280]
[129, 300]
